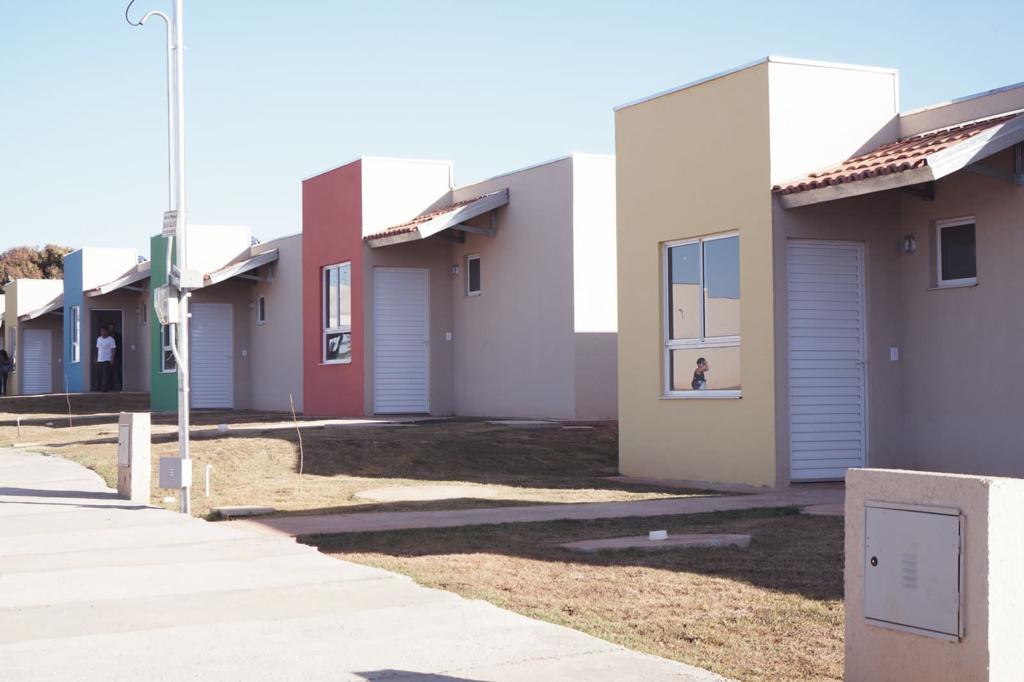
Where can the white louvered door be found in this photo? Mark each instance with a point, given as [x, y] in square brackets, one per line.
[36, 362]
[211, 355]
[827, 359]
[400, 348]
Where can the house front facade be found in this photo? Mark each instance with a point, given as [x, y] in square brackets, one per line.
[105, 287]
[812, 280]
[495, 298]
[244, 322]
[33, 327]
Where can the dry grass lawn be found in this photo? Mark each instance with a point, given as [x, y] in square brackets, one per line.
[256, 460]
[769, 612]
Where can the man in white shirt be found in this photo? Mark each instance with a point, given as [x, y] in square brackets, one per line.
[106, 349]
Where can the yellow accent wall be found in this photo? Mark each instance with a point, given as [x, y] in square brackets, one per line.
[691, 163]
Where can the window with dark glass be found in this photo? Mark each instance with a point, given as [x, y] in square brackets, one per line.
[957, 258]
[473, 275]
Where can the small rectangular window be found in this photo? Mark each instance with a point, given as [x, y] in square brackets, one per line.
[956, 253]
[167, 361]
[261, 310]
[76, 333]
[473, 282]
[144, 313]
[337, 313]
[702, 316]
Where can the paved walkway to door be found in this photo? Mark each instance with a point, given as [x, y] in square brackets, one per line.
[93, 588]
[299, 526]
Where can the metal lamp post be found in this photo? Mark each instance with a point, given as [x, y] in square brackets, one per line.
[178, 212]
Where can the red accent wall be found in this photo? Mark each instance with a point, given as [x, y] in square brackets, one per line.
[332, 232]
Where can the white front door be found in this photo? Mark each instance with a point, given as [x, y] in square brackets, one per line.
[36, 362]
[827, 358]
[400, 321]
[212, 358]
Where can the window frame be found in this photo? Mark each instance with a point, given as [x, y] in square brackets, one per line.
[76, 334]
[480, 271]
[669, 344]
[165, 350]
[325, 329]
[261, 310]
[940, 225]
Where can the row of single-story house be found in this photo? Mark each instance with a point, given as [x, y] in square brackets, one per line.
[779, 276]
[403, 295]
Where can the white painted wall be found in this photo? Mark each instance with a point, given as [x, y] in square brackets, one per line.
[35, 293]
[397, 190]
[595, 305]
[970, 108]
[212, 246]
[102, 265]
[822, 114]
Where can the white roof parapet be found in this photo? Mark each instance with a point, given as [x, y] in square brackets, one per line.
[137, 274]
[43, 310]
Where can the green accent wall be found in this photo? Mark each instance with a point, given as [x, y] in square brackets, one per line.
[163, 396]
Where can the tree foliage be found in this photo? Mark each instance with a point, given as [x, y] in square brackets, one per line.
[32, 263]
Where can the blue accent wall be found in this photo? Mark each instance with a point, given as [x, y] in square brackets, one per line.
[75, 374]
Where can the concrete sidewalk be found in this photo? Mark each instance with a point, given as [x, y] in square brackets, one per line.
[92, 588]
[299, 526]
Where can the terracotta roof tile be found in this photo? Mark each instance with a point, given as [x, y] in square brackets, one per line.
[894, 157]
[410, 226]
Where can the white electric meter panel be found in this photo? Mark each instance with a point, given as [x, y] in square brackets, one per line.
[912, 568]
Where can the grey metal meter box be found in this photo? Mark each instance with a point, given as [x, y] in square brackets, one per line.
[912, 568]
[175, 472]
[124, 443]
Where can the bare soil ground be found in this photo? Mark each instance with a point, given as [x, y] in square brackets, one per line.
[256, 461]
[770, 612]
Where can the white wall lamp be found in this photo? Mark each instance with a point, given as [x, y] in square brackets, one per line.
[908, 244]
[455, 270]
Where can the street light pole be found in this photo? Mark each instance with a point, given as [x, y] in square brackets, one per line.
[178, 205]
[181, 242]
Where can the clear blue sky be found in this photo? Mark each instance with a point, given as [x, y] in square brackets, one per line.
[281, 89]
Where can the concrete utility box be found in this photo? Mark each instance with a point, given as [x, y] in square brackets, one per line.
[134, 457]
[912, 569]
[933, 577]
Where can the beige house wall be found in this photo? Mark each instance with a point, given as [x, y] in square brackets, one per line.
[962, 360]
[277, 343]
[692, 163]
[514, 345]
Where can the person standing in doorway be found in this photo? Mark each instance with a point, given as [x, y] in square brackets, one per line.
[6, 365]
[106, 351]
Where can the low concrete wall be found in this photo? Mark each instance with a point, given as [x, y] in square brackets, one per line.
[992, 565]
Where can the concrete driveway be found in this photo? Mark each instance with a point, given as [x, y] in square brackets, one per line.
[93, 588]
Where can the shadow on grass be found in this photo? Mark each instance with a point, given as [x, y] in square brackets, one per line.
[789, 551]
